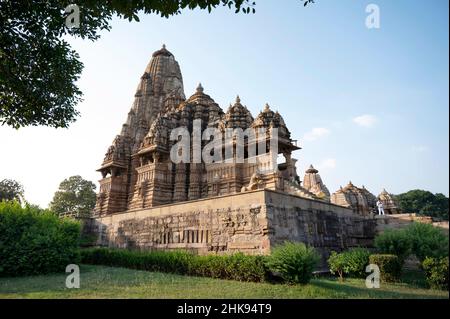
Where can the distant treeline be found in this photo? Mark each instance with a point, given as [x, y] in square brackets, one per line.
[424, 203]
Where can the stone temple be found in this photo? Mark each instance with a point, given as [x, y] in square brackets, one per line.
[146, 201]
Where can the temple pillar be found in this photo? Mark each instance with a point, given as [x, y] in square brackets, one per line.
[195, 181]
[179, 193]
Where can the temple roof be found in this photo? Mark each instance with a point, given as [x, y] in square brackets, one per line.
[352, 189]
[159, 104]
[268, 118]
[200, 95]
[312, 170]
[238, 115]
[385, 195]
[162, 51]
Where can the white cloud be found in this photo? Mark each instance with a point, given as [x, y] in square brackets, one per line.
[328, 163]
[365, 120]
[419, 148]
[316, 133]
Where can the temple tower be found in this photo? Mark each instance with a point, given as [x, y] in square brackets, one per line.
[313, 183]
[360, 200]
[160, 86]
[139, 172]
[389, 203]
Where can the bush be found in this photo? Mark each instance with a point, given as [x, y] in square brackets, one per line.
[295, 262]
[236, 266]
[422, 240]
[336, 262]
[390, 266]
[427, 241]
[394, 242]
[352, 263]
[160, 261]
[35, 241]
[436, 272]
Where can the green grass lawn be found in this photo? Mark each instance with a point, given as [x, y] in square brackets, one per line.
[109, 282]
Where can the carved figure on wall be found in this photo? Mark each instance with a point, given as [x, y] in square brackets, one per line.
[255, 183]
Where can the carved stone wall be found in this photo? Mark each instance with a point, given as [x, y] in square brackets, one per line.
[250, 222]
[325, 226]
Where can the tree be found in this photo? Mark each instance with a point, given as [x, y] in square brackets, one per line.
[11, 190]
[38, 68]
[75, 196]
[424, 203]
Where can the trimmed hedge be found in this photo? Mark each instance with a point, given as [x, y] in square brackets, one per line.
[351, 263]
[295, 262]
[35, 241]
[436, 272]
[390, 266]
[236, 266]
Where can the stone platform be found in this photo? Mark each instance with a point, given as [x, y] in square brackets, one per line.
[251, 222]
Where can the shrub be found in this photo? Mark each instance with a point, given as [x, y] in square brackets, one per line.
[352, 263]
[427, 241]
[436, 272]
[422, 240]
[336, 262]
[35, 241]
[390, 266]
[295, 262]
[161, 261]
[235, 266]
[394, 242]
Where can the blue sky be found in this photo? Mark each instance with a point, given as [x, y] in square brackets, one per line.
[367, 105]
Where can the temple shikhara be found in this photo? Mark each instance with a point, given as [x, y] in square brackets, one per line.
[137, 170]
[148, 201]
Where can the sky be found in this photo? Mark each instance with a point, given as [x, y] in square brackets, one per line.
[369, 106]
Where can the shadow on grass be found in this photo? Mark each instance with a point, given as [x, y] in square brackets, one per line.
[45, 283]
[415, 278]
[110, 279]
[351, 291]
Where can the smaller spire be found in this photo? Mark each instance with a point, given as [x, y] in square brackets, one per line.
[199, 88]
[164, 46]
[267, 107]
[238, 99]
[312, 170]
